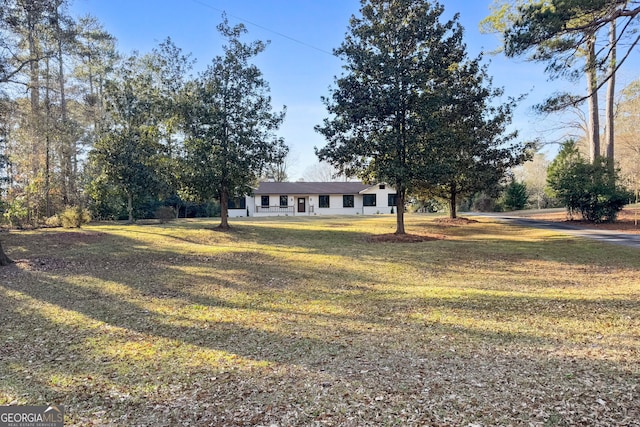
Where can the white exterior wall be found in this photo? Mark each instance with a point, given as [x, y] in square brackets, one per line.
[237, 213]
[382, 200]
[312, 204]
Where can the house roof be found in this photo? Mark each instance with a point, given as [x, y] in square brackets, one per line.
[310, 188]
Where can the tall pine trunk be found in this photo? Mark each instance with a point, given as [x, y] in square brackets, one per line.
[594, 114]
[68, 148]
[611, 92]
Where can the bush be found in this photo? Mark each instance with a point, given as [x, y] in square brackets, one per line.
[165, 214]
[74, 217]
[588, 188]
[16, 212]
[53, 221]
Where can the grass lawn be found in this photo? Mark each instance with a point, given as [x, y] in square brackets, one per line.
[306, 321]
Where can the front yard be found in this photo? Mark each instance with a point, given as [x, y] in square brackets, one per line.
[307, 321]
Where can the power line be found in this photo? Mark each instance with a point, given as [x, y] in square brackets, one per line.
[201, 3]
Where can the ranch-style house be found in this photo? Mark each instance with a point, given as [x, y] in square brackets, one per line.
[315, 198]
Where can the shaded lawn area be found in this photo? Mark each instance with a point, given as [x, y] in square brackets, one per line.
[309, 321]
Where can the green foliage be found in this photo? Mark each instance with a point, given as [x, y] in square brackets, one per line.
[515, 196]
[412, 109]
[229, 124]
[129, 154]
[588, 188]
[16, 212]
[74, 217]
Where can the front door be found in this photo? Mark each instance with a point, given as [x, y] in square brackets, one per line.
[301, 204]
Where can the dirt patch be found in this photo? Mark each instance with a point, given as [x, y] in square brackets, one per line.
[454, 221]
[403, 238]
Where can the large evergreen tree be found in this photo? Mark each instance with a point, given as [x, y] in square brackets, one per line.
[473, 150]
[129, 153]
[229, 124]
[412, 110]
[397, 55]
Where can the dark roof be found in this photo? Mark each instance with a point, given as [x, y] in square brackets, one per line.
[310, 188]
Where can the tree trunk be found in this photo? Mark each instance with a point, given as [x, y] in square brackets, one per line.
[130, 207]
[224, 209]
[4, 259]
[68, 147]
[453, 202]
[594, 114]
[611, 93]
[47, 143]
[400, 195]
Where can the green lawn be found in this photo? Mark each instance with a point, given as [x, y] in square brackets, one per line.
[305, 321]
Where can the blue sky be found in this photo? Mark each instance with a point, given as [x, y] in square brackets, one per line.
[300, 72]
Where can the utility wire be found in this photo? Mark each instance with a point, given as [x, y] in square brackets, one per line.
[201, 3]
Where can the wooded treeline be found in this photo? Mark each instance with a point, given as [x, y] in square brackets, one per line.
[53, 72]
[83, 125]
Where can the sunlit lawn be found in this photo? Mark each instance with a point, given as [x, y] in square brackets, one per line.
[304, 321]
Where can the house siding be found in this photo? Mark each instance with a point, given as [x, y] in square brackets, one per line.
[311, 202]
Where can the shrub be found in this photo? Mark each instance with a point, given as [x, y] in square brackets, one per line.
[53, 221]
[588, 188]
[74, 217]
[165, 214]
[16, 213]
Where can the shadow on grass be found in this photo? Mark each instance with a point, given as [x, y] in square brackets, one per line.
[372, 333]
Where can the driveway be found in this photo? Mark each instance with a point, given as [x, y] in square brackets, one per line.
[607, 236]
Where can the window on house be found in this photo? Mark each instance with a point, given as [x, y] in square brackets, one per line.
[392, 200]
[347, 201]
[264, 201]
[237, 203]
[382, 186]
[323, 201]
[369, 200]
[284, 201]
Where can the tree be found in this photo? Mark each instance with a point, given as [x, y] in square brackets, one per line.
[382, 111]
[533, 174]
[586, 187]
[229, 124]
[128, 154]
[322, 172]
[473, 150]
[515, 195]
[560, 33]
[277, 169]
[628, 135]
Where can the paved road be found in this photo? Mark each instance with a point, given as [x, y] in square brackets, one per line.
[608, 236]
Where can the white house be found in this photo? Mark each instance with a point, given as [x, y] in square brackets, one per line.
[315, 198]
